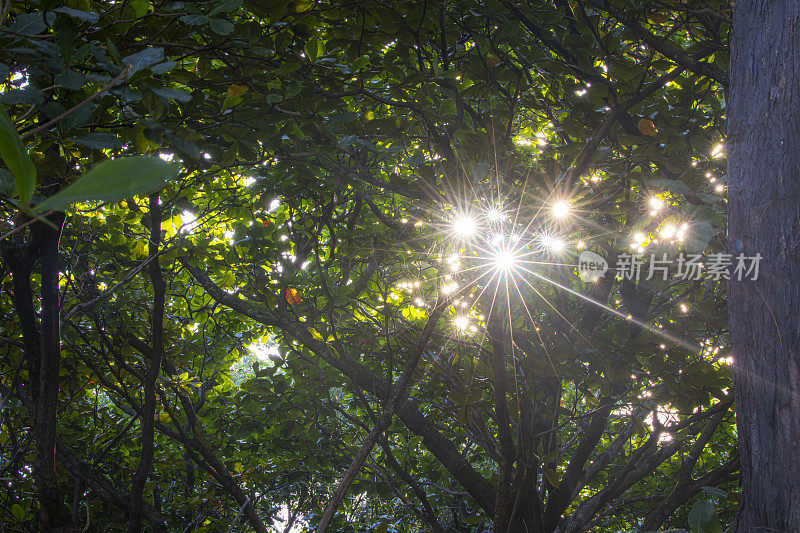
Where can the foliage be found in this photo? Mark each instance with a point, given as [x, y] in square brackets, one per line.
[325, 149]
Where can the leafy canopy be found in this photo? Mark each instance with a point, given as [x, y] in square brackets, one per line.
[325, 158]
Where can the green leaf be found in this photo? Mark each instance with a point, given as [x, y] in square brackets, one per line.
[28, 24]
[98, 140]
[288, 67]
[551, 476]
[194, 19]
[315, 334]
[27, 95]
[78, 14]
[714, 491]
[231, 101]
[7, 186]
[226, 6]
[161, 68]
[220, 26]
[698, 236]
[18, 512]
[715, 526]
[701, 516]
[70, 79]
[168, 93]
[16, 158]
[115, 180]
[314, 48]
[143, 59]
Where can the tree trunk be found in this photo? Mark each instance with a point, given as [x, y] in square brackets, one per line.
[55, 515]
[764, 204]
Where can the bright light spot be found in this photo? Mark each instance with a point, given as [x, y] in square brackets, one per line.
[461, 322]
[273, 205]
[560, 209]
[188, 222]
[656, 203]
[581, 92]
[637, 240]
[663, 346]
[166, 157]
[665, 415]
[668, 231]
[684, 308]
[555, 245]
[716, 153]
[495, 215]
[248, 181]
[504, 260]
[454, 261]
[264, 351]
[450, 287]
[465, 226]
[581, 245]
[694, 163]
[719, 188]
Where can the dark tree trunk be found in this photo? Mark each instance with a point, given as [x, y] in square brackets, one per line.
[55, 515]
[764, 217]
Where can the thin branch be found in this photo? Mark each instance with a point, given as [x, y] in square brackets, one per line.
[396, 399]
[78, 106]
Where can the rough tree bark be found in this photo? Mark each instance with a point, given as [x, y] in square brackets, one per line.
[42, 343]
[764, 217]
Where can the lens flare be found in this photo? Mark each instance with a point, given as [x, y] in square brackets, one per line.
[465, 226]
[561, 209]
[461, 322]
[495, 214]
[553, 244]
[504, 260]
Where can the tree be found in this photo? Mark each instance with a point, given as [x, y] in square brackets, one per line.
[763, 208]
[333, 160]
